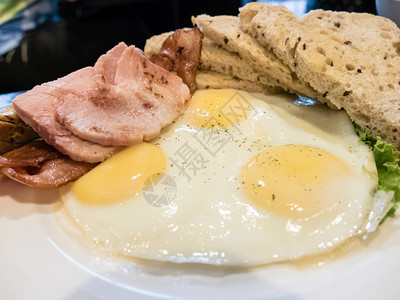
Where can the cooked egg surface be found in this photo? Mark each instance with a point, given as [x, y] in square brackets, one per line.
[240, 179]
[121, 177]
[313, 175]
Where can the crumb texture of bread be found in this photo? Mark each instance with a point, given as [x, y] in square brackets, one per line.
[352, 59]
[225, 69]
[217, 59]
[226, 32]
[214, 80]
[153, 45]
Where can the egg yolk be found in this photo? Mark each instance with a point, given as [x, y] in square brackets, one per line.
[217, 108]
[294, 181]
[121, 176]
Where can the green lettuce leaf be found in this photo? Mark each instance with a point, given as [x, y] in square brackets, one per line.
[387, 164]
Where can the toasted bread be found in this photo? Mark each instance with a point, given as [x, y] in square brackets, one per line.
[220, 68]
[153, 45]
[214, 80]
[353, 59]
[225, 31]
[217, 59]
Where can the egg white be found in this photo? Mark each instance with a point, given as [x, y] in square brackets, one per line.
[210, 219]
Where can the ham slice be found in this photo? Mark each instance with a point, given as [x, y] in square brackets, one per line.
[91, 113]
[38, 109]
[107, 63]
[180, 53]
[143, 99]
[39, 165]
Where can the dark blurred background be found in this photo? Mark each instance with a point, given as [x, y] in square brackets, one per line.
[85, 29]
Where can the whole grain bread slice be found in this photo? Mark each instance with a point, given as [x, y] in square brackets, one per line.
[226, 32]
[217, 59]
[353, 59]
[214, 80]
[153, 44]
[220, 68]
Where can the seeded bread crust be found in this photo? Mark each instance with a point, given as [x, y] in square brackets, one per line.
[352, 59]
[225, 31]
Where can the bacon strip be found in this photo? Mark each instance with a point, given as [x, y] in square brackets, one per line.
[30, 155]
[180, 54]
[39, 165]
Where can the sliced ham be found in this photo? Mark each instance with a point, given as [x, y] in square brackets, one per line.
[180, 53]
[123, 100]
[107, 63]
[89, 114]
[39, 165]
[38, 109]
[143, 99]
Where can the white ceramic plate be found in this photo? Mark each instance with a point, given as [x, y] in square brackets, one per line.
[42, 257]
[39, 259]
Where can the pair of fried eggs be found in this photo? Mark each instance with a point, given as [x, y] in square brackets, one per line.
[240, 179]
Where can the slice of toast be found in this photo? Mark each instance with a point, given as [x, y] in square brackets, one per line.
[220, 68]
[153, 45]
[217, 59]
[353, 59]
[225, 31]
[214, 80]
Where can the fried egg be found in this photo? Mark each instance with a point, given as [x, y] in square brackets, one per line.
[240, 179]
